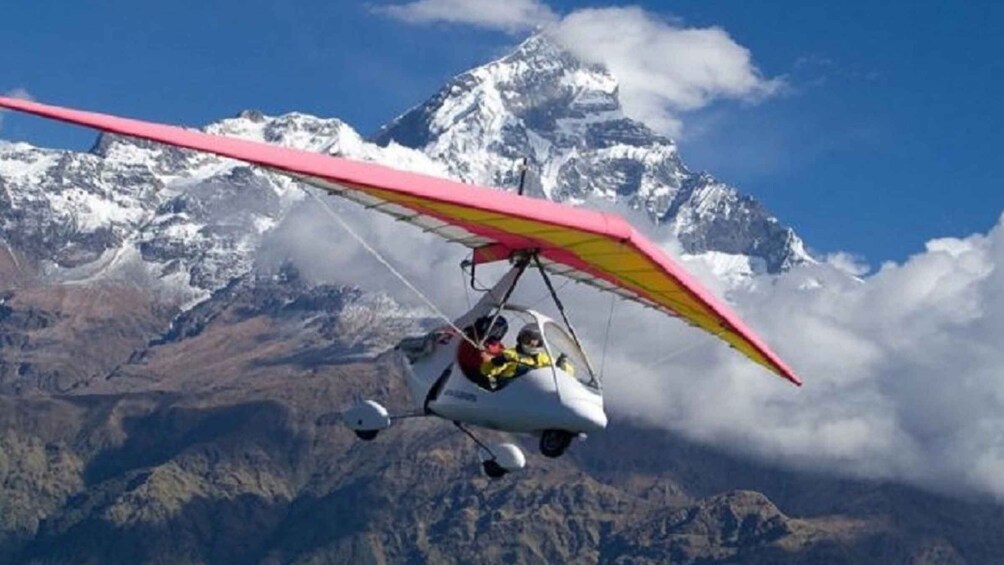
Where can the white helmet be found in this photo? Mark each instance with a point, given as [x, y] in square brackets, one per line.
[529, 341]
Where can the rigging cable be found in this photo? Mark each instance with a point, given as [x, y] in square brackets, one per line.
[606, 335]
[561, 308]
[376, 255]
[505, 300]
[696, 345]
[548, 295]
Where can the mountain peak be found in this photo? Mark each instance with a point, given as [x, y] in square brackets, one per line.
[539, 53]
[564, 116]
[511, 106]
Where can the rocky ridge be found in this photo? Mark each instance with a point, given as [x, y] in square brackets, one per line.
[565, 118]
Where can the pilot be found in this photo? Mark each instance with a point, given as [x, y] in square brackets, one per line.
[528, 354]
[488, 331]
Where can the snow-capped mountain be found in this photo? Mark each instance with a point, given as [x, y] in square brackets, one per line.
[178, 221]
[565, 117]
[186, 224]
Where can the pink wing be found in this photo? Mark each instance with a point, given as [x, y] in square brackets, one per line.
[599, 249]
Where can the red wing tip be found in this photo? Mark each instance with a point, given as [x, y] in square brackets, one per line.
[783, 371]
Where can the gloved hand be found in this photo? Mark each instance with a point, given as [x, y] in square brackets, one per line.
[498, 360]
[562, 360]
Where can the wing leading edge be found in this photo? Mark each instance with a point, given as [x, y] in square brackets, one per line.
[599, 249]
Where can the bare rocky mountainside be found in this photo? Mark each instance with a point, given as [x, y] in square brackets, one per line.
[167, 398]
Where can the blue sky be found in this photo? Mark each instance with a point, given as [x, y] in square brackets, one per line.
[885, 135]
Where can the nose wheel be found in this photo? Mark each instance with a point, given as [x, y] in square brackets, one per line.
[493, 469]
[497, 459]
[553, 443]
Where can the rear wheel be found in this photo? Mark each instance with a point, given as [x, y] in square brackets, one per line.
[553, 443]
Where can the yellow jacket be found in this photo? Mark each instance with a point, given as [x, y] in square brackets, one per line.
[513, 364]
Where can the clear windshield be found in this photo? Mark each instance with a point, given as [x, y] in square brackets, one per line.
[560, 343]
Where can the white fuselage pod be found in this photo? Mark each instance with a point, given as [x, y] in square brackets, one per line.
[543, 398]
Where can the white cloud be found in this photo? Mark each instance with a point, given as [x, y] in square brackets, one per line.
[849, 263]
[21, 93]
[324, 252]
[903, 369]
[664, 68]
[512, 15]
[15, 93]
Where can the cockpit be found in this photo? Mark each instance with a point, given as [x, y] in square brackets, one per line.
[497, 332]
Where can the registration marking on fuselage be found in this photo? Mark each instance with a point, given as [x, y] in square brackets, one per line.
[465, 396]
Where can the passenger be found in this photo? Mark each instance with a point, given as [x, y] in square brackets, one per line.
[528, 354]
[470, 358]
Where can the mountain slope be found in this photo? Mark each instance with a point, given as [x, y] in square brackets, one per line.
[221, 444]
[565, 118]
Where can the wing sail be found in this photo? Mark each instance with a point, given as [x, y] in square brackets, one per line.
[595, 248]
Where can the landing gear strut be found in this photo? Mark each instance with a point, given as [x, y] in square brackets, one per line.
[553, 443]
[497, 459]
